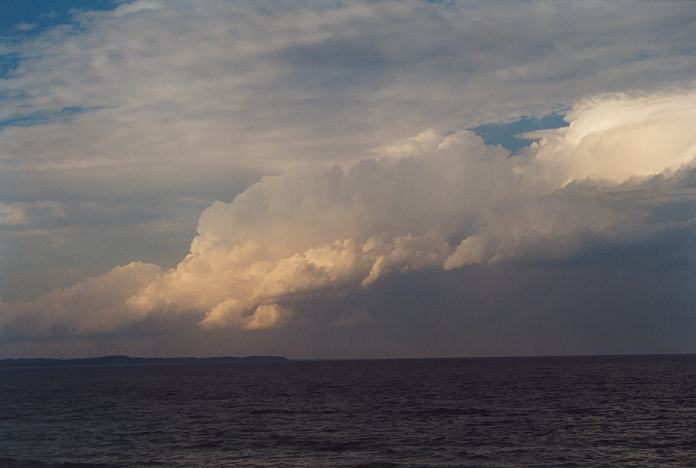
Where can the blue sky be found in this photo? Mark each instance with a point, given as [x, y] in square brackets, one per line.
[27, 17]
[23, 19]
[508, 134]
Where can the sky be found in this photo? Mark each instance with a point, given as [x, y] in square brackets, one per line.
[347, 179]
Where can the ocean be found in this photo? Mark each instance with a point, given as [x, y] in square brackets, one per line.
[551, 411]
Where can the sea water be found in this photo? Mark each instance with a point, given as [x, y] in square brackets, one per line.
[564, 411]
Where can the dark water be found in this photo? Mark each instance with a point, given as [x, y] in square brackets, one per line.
[600, 411]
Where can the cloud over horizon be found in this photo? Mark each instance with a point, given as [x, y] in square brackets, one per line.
[435, 201]
[258, 170]
[142, 115]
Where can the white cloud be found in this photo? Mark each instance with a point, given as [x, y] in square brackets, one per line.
[238, 84]
[137, 6]
[25, 26]
[446, 201]
[12, 214]
[93, 306]
[616, 137]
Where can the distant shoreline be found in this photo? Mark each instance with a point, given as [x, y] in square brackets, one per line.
[122, 360]
[128, 360]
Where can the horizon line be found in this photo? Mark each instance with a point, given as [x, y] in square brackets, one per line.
[314, 359]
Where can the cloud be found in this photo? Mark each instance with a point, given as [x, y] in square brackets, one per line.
[437, 201]
[168, 106]
[25, 26]
[11, 214]
[93, 306]
[358, 318]
[137, 6]
[653, 130]
[117, 131]
[600, 169]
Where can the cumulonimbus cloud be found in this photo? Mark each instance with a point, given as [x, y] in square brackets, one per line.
[436, 201]
[120, 126]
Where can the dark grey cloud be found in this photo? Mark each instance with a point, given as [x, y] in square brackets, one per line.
[479, 310]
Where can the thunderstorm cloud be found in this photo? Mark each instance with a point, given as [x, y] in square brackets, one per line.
[307, 178]
[434, 201]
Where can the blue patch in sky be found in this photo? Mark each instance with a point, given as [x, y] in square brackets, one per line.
[20, 18]
[35, 118]
[8, 62]
[506, 134]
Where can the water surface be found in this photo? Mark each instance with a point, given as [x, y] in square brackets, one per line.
[580, 411]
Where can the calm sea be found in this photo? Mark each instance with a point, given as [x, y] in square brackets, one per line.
[596, 411]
